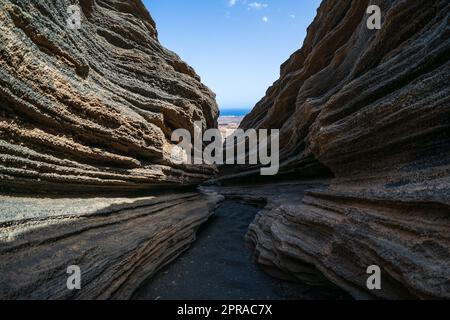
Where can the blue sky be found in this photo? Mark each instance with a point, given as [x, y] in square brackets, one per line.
[236, 46]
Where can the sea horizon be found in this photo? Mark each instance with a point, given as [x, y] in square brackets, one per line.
[238, 112]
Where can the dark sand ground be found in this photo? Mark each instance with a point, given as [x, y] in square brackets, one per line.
[219, 266]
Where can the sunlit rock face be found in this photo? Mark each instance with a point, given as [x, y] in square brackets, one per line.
[92, 109]
[372, 107]
[86, 111]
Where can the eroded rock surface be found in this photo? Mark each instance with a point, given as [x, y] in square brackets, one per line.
[371, 108]
[117, 242]
[87, 113]
[92, 109]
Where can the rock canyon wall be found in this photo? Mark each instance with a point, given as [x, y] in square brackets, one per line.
[92, 109]
[371, 109]
[118, 243]
[87, 112]
[85, 123]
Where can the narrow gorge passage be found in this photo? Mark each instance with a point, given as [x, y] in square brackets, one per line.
[219, 266]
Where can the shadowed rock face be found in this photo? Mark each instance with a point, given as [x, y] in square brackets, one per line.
[372, 106]
[94, 108]
[117, 242]
[86, 111]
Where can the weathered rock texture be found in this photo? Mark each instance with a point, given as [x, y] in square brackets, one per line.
[94, 108]
[86, 111]
[372, 107]
[117, 242]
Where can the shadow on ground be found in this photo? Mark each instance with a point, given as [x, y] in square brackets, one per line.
[219, 266]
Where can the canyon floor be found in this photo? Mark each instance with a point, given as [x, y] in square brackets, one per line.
[220, 266]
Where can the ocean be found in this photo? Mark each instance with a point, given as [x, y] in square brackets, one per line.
[234, 112]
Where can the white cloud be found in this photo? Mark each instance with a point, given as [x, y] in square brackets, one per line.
[231, 3]
[265, 19]
[257, 6]
[292, 16]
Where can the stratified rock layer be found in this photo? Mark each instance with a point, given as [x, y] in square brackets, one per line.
[373, 107]
[92, 109]
[117, 242]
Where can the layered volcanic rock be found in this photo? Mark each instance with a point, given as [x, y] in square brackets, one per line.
[89, 112]
[116, 242]
[371, 108]
[92, 109]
